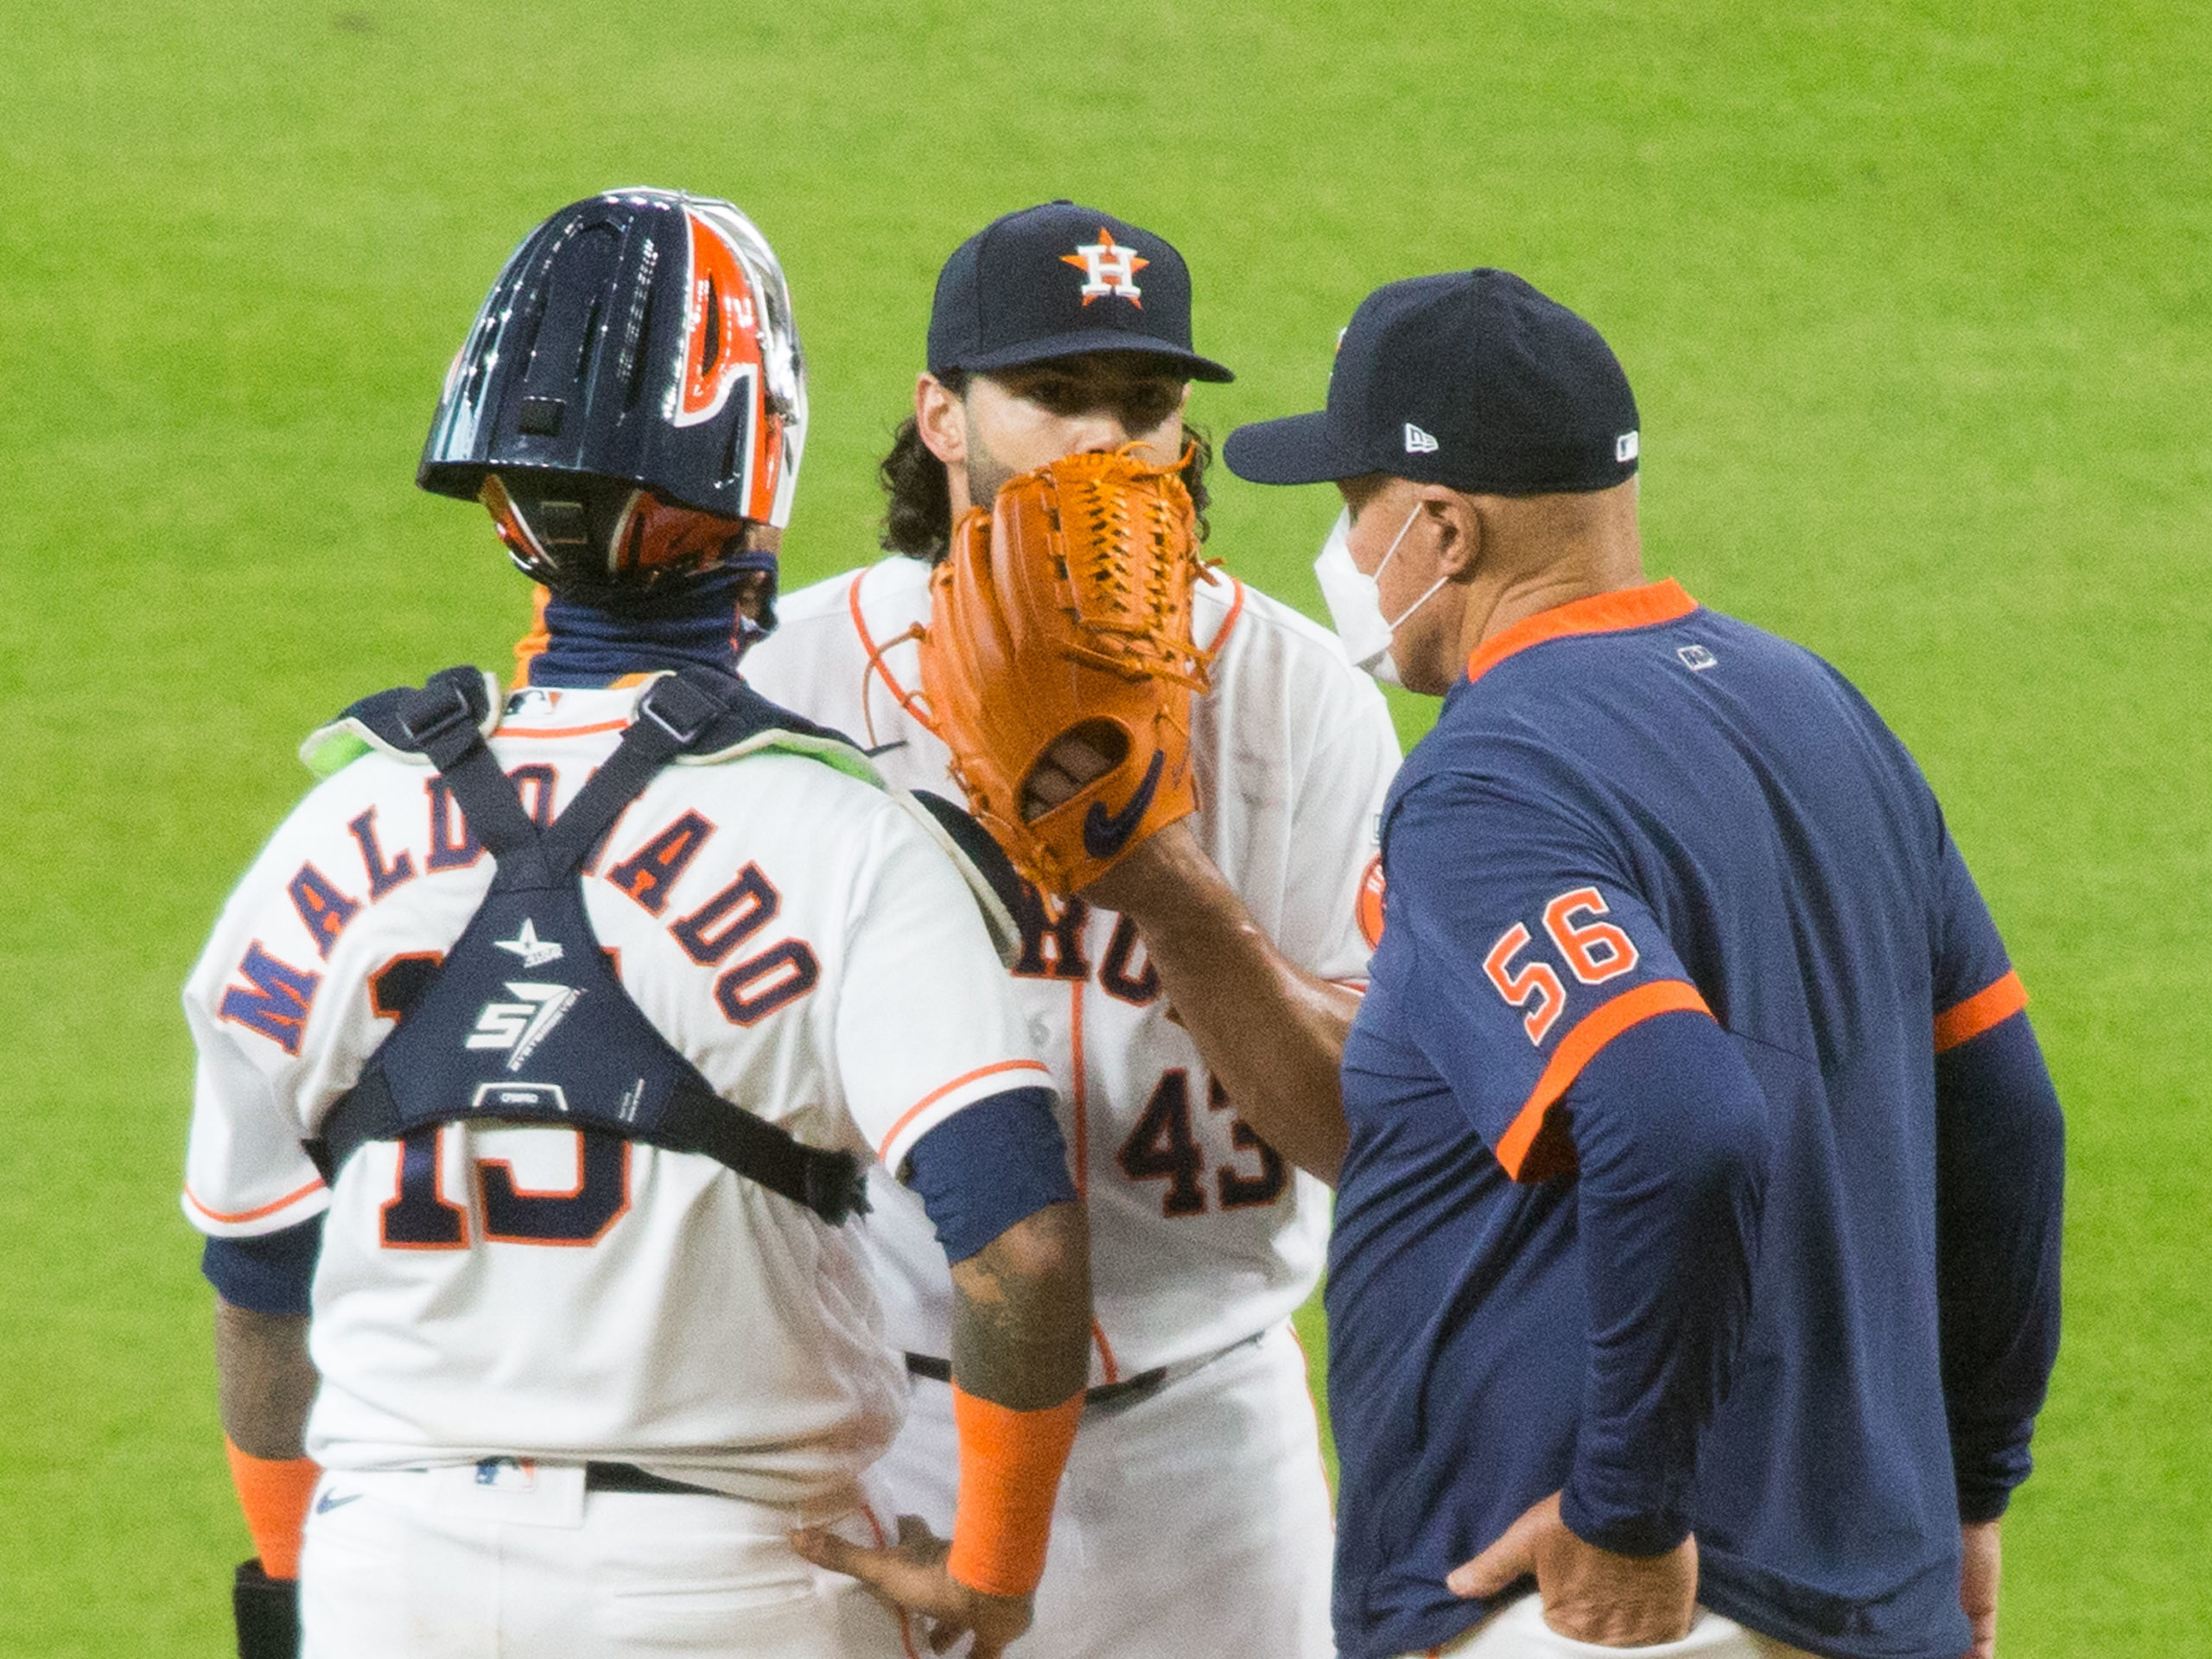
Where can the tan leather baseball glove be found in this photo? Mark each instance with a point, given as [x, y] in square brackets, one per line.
[1059, 666]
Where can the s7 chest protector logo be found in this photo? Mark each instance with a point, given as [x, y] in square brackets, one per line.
[522, 1025]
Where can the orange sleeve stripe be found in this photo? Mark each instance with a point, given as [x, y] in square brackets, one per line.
[1991, 1006]
[275, 1494]
[230, 1219]
[1010, 1464]
[1580, 1046]
[883, 1150]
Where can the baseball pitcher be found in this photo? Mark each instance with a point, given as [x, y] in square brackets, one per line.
[1194, 789]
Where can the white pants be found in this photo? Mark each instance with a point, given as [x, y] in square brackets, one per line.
[434, 1565]
[1518, 1632]
[1193, 1522]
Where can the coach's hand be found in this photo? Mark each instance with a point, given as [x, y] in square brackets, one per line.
[1589, 1593]
[1981, 1560]
[911, 1574]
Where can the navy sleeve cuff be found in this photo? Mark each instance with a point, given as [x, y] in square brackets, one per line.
[272, 1273]
[2000, 1175]
[989, 1166]
[1974, 1508]
[1622, 1533]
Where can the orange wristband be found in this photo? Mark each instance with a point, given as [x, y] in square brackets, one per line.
[275, 1494]
[1010, 1464]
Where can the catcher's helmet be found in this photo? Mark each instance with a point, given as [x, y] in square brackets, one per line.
[635, 358]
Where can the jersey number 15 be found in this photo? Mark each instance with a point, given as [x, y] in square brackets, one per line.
[418, 1216]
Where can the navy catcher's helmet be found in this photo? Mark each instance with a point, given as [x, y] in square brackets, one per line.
[633, 384]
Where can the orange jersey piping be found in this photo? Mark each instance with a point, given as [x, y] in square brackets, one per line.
[1629, 608]
[1581, 1046]
[532, 645]
[251, 1215]
[900, 694]
[1080, 1106]
[563, 731]
[935, 1094]
[1229, 623]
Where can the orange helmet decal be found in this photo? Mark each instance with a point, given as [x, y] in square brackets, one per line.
[722, 336]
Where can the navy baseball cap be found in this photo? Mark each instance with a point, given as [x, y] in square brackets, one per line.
[1058, 280]
[1473, 380]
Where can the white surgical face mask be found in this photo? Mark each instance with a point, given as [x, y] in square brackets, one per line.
[1355, 600]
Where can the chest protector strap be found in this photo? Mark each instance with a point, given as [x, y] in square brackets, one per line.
[525, 1020]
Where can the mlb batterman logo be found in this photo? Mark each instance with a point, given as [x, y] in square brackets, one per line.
[1108, 269]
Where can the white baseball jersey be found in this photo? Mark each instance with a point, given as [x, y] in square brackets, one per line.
[789, 929]
[1201, 1236]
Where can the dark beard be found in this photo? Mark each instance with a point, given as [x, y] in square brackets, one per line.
[987, 476]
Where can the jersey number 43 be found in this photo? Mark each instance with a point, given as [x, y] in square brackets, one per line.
[1161, 1148]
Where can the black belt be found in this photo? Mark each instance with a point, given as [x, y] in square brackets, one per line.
[629, 1478]
[1129, 1387]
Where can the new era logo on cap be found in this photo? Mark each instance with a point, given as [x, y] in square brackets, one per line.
[1624, 446]
[1418, 442]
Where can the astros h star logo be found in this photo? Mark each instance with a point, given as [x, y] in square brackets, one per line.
[1107, 268]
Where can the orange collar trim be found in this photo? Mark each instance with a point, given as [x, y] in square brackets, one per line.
[1628, 607]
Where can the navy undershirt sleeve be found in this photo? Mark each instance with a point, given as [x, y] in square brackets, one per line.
[989, 1166]
[2000, 1156]
[1669, 1126]
[271, 1272]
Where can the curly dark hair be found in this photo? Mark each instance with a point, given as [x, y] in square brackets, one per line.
[918, 516]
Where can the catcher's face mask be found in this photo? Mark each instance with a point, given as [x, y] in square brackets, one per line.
[606, 542]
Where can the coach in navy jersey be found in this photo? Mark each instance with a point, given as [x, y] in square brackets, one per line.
[1696, 1250]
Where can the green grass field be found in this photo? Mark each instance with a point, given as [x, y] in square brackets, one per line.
[1916, 299]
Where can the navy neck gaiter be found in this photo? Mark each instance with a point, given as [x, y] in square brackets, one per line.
[679, 621]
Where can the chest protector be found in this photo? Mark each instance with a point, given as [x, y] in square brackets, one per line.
[525, 1021]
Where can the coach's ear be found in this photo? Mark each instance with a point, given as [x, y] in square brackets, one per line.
[1457, 522]
[941, 419]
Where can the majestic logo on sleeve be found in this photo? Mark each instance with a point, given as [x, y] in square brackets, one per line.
[520, 1026]
[1109, 270]
[534, 951]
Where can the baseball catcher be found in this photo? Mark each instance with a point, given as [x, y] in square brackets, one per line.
[543, 1049]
